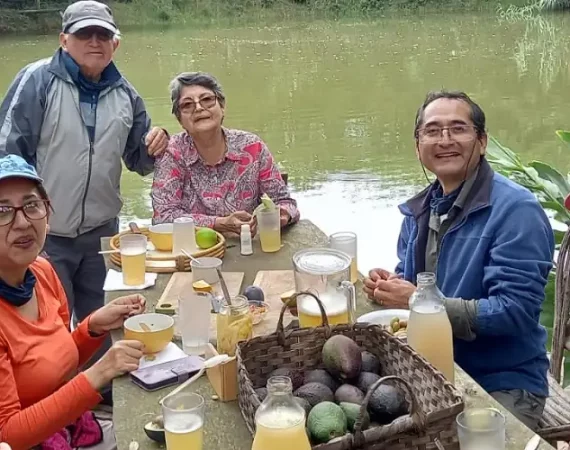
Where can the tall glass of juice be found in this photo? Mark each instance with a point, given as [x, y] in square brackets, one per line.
[346, 242]
[183, 415]
[269, 224]
[133, 258]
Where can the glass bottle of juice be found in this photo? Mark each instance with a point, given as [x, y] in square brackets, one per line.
[280, 420]
[429, 329]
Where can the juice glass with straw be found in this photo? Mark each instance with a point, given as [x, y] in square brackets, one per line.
[183, 415]
[133, 258]
[346, 242]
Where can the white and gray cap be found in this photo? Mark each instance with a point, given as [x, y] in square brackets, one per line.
[88, 13]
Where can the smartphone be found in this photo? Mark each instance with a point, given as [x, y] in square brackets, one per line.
[167, 374]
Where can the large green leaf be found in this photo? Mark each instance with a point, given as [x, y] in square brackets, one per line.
[555, 206]
[558, 236]
[502, 154]
[549, 173]
[564, 135]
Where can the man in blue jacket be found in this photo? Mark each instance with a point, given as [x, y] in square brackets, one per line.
[77, 119]
[491, 247]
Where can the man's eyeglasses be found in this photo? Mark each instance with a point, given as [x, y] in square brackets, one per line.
[100, 34]
[458, 133]
[207, 102]
[34, 210]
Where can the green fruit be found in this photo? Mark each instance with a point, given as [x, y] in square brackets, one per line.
[206, 238]
[351, 411]
[348, 394]
[326, 421]
[342, 357]
[315, 393]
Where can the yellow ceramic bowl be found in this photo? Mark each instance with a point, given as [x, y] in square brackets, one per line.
[160, 334]
[161, 236]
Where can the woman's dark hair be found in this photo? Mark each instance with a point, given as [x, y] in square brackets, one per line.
[194, 79]
[477, 114]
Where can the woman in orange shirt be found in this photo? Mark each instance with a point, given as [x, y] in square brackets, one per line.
[45, 400]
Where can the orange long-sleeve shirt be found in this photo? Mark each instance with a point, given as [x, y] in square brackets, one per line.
[40, 388]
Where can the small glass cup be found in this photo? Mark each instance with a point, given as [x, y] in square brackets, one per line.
[481, 429]
[346, 242]
[233, 323]
[133, 258]
[206, 269]
[183, 415]
[269, 225]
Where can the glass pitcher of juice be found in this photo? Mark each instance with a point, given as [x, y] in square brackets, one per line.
[429, 328]
[280, 420]
[324, 272]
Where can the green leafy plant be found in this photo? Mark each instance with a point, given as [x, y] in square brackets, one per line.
[547, 183]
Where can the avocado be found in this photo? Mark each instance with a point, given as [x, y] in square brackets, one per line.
[323, 377]
[155, 430]
[303, 403]
[387, 403]
[348, 394]
[351, 411]
[342, 357]
[261, 393]
[326, 421]
[370, 363]
[365, 380]
[295, 376]
[315, 393]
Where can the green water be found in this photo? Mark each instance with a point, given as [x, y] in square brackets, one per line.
[335, 101]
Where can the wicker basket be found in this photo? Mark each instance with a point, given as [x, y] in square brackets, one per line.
[434, 401]
[165, 262]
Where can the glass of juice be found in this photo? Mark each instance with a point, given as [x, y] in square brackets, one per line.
[346, 241]
[133, 258]
[481, 429]
[234, 323]
[335, 304]
[269, 225]
[183, 415]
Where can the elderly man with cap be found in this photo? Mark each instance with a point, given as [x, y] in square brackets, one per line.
[75, 117]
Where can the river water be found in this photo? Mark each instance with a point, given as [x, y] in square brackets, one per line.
[335, 101]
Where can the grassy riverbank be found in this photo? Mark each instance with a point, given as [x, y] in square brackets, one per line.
[204, 13]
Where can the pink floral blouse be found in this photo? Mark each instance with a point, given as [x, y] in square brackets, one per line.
[184, 185]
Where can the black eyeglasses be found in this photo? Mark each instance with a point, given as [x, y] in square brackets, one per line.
[34, 210]
[459, 133]
[207, 102]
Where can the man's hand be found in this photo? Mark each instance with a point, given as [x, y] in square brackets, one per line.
[156, 141]
[370, 282]
[393, 293]
[113, 314]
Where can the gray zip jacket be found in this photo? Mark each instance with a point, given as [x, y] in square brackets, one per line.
[40, 120]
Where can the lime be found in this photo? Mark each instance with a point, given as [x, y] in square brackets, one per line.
[206, 238]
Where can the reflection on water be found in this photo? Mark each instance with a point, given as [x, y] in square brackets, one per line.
[336, 101]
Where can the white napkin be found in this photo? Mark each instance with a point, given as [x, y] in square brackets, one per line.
[170, 353]
[114, 281]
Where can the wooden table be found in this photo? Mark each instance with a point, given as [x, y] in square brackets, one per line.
[225, 428]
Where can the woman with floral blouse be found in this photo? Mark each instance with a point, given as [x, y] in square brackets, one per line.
[211, 173]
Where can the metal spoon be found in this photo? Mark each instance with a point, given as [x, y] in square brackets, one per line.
[224, 287]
